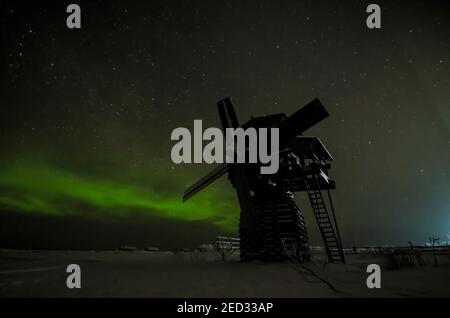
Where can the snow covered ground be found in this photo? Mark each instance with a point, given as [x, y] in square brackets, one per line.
[203, 274]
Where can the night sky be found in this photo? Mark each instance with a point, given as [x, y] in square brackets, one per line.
[86, 115]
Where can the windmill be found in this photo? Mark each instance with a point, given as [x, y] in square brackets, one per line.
[270, 218]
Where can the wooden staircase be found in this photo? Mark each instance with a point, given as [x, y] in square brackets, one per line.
[330, 234]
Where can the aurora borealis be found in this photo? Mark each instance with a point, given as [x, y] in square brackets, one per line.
[40, 189]
[86, 115]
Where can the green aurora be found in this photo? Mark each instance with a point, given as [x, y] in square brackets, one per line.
[40, 188]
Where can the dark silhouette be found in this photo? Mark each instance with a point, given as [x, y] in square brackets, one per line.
[270, 219]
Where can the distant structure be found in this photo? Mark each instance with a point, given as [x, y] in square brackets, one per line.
[270, 220]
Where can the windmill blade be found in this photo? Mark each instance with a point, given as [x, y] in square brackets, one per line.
[303, 119]
[231, 112]
[227, 114]
[223, 115]
[226, 111]
[206, 180]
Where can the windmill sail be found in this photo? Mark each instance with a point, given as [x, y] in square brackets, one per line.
[206, 180]
[302, 120]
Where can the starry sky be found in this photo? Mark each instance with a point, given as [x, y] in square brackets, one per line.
[86, 115]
